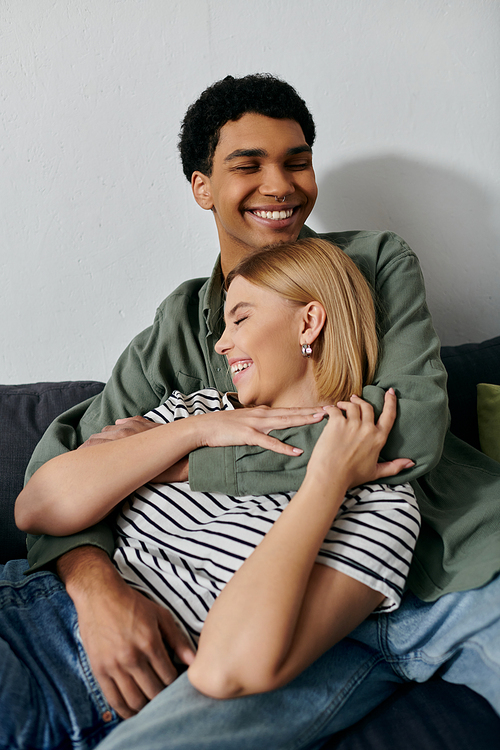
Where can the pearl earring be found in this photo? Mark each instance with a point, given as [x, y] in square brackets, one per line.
[306, 350]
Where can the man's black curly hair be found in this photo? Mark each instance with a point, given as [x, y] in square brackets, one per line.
[229, 99]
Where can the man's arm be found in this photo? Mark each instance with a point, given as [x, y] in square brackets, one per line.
[409, 362]
[74, 426]
[123, 632]
[145, 374]
[137, 666]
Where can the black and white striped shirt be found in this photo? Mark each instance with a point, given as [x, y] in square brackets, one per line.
[181, 547]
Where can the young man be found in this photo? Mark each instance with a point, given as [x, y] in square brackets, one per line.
[246, 149]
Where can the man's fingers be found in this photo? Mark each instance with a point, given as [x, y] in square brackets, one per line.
[148, 664]
[174, 636]
[114, 697]
[93, 440]
[132, 694]
[144, 683]
[129, 688]
[121, 429]
[129, 684]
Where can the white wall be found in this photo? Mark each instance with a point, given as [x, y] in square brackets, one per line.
[97, 223]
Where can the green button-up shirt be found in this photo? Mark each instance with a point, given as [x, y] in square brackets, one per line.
[458, 489]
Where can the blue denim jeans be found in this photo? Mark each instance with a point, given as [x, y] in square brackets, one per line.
[50, 699]
[459, 636]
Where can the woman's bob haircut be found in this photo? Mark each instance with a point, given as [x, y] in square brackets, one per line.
[345, 352]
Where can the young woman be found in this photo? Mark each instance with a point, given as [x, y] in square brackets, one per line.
[262, 585]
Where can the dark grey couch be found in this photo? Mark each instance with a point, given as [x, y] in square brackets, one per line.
[430, 716]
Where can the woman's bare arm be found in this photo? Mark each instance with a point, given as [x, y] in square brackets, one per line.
[77, 489]
[281, 610]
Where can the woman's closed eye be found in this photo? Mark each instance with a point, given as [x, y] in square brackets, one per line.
[240, 320]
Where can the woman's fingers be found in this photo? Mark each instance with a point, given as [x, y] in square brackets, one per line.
[351, 410]
[258, 433]
[358, 439]
[356, 409]
[353, 425]
[391, 468]
[388, 415]
[285, 415]
[252, 427]
[280, 422]
[273, 444]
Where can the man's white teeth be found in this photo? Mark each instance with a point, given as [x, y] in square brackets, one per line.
[238, 366]
[276, 215]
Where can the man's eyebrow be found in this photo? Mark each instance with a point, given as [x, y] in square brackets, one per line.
[245, 152]
[304, 148]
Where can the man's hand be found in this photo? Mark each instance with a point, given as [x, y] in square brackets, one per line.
[132, 426]
[120, 429]
[179, 472]
[122, 631]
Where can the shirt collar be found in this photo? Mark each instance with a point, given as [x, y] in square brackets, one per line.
[213, 301]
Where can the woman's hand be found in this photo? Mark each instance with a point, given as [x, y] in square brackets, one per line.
[350, 444]
[282, 610]
[252, 426]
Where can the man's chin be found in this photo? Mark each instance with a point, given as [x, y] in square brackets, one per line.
[275, 239]
[277, 242]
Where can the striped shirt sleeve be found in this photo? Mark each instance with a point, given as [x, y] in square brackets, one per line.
[373, 537]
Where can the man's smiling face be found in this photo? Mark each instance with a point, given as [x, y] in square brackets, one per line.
[256, 159]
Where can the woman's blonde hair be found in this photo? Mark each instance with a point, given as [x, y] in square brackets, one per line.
[345, 352]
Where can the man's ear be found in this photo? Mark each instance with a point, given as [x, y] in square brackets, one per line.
[313, 320]
[202, 191]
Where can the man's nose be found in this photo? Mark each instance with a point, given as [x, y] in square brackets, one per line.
[277, 182]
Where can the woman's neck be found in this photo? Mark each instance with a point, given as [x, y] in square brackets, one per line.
[304, 393]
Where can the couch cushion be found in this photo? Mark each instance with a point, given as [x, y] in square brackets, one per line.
[488, 419]
[435, 715]
[25, 413]
[468, 365]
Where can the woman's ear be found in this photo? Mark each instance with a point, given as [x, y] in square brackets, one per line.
[200, 185]
[313, 320]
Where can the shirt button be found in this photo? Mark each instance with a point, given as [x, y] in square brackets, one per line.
[107, 716]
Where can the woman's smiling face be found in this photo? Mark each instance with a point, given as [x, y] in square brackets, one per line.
[262, 344]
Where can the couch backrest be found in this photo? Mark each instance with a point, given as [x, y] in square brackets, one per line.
[27, 410]
[25, 413]
[468, 365]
